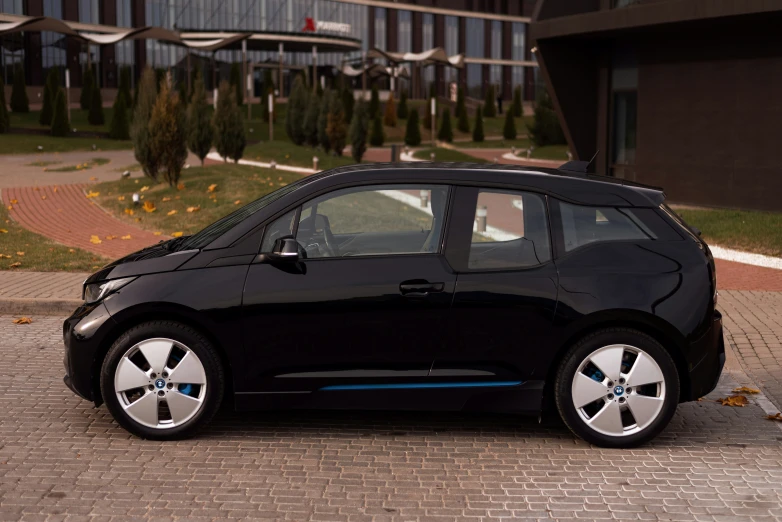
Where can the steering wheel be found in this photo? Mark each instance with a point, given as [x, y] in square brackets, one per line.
[328, 238]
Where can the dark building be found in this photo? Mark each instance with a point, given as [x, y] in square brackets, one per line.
[684, 94]
[491, 34]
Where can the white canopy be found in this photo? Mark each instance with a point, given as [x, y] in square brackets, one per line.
[435, 55]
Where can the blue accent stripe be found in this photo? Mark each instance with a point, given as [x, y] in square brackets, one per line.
[413, 386]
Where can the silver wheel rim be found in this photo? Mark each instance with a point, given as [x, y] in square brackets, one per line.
[618, 390]
[160, 383]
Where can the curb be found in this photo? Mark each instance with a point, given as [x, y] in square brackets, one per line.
[33, 306]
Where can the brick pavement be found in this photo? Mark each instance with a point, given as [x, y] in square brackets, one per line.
[69, 217]
[41, 285]
[61, 459]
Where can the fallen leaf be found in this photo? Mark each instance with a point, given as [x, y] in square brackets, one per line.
[144, 188]
[71, 251]
[149, 206]
[43, 197]
[777, 417]
[745, 389]
[129, 211]
[734, 400]
[14, 202]
[36, 189]
[176, 234]
[166, 199]
[212, 187]
[137, 220]
[6, 256]
[93, 178]
[14, 265]
[3, 231]
[111, 237]
[181, 186]
[193, 209]
[126, 237]
[54, 190]
[238, 202]
[171, 212]
[156, 233]
[95, 240]
[121, 198]
[92, 194]
[23, 320]
[20, 254]
[10, 207]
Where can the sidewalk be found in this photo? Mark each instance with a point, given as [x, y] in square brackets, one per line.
[44, 293]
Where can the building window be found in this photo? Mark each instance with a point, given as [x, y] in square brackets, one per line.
[53, 44]
[124, 50]
[89, 12]
[624, 103]
[495, 71]
[475, 47]
[11, 46]
[380, 28]
[405, 32]
[517, 77]
[427, 43]
[475, 80]
[451, 45]
[517, 41]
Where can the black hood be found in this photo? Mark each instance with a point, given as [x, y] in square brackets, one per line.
[161, 257]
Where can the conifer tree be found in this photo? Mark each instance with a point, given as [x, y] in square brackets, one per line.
[377, 136]
[228, 123]
[401, 109]
[167, 133]
[5, 121]
[389, 118]
[359, 128]
[310, 123]
[446, 133]
[95, 116]
[518, 110]
[323, 120]
[120, 126]
[413, 130]
[236, 83]
[146, 93]
[19, 100]
[509, 130]
[87, 82]
[477, 132]
[374, 103]
[297, 109]
[49, 93]
[200, 133]
[60, 124]
[336, 127]
[489, 109]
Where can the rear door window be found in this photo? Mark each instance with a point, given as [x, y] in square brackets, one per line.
[583, 225]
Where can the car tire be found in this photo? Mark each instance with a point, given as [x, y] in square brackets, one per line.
[637, 375]
[181, 389]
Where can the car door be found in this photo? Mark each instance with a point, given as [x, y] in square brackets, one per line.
[364, 307]
[506, 294]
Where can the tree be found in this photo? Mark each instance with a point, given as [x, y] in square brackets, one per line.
[463, 121]
[95, 116]
[297, 109]
[413, 130]
[5, 121]
[509, 130]
[236, 83]
[446, 133]
[310, 123]
[348, 102]
[517, 108]
[336, 127]
[182, 93]
[49, 93]
[200, 133]
[401, 109]
[389, 118]
[545, 128]
[120, 126]
[477, 132]
[60, 124]
[146, 93]
[489, 109]
[87, 82]
[374, 103]
[428, 108]
[377, 137]
[19, 100]
[228, 123]
[124, 84]
[160, 77]
[167, 133]
[359, 127]
[323, 120]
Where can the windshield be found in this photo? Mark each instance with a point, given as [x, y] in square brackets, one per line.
[223, 225]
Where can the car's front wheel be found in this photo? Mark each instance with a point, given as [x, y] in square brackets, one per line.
[617, 388]
[162, 380]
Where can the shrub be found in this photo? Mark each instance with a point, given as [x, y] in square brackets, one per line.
[5, 121]
[446, 133]
[19, 100]
[228, 123]
[95, 116]
[463, 121]
[124, 84]
[389, 118]
[359, 127]
[235, 79]
[120, 126]
[199, 127]
[182, 93]
[517, 108]
[460, 104]
[336, 127]
[509, 130]
[489, 109]
[297, 109]
[545, 128]
[377, 137]
[167, 134]
[401, 109]
[374, 103]
[323, 120]
[310, 123]
[413, 130]
[49, 92]
[160, 77]
[348, 102]
[87, 83]
[60, 124]
[146, 93]
[477, 132]
[428, 108]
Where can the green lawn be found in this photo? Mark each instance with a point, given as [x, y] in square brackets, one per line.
[39, 254]
[759, 232]
[79, 121]
[446, 155]
[233, 183]
[28, 143]
[286, 153]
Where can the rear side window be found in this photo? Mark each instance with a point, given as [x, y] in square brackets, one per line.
[582, 225]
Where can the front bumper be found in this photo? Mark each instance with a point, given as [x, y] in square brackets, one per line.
[705, 375]
[83, 333]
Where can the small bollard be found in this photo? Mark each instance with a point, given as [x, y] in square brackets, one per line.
[136, 198]
[315, 163]
[424, 198]
[407, 149]
[480, 217]
[529, 153]
[273, 164]
[126, 174]
[394, 153]
[431, 156]
[569, 156]
[496, 160]
[513, 150]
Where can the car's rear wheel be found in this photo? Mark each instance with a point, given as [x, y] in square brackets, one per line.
[617, 388]
[162, 380]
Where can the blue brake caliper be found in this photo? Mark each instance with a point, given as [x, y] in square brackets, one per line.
[185, 389]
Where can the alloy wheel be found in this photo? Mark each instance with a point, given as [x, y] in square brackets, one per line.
[618, 390]
[160, 383]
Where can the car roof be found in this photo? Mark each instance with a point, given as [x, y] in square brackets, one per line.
[588, 189]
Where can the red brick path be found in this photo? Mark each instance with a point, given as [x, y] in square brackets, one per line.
[68, 217]
[738, 276]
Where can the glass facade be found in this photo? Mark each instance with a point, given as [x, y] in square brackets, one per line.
[11, 46]
[495, 71]
[624, 102]
[123, 51]
[474, 80]
[427, 42]
[451, 45]
[517, 41]
[405, 32]
[53, 44]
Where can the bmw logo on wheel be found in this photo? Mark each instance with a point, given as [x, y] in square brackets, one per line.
[619, 390]
[160, 384]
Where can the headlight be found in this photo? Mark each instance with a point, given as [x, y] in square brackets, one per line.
[96, 291]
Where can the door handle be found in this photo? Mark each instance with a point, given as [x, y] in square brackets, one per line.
[419, 288]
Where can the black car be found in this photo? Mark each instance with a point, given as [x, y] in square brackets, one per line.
[421, 286]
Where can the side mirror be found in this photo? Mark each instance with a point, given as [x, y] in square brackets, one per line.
[285, 249]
